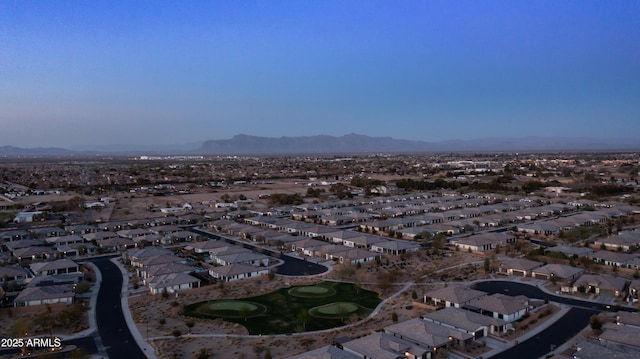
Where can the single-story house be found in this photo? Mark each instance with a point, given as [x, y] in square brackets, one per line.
[477, 325]
[344, 254]
[601, 283]
[233, 272]
[452, 296]
[60, 266]
[50, 294]
[501, 306]
[519, 267]
[614, 259]
[394, 247]
[430, 334]
[15, 273]
[560, 272]
[385, 346]
[173, 282]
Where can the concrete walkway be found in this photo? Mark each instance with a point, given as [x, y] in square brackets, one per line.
[222, 335]
[92, 331]
[500, 346]
[124, 297]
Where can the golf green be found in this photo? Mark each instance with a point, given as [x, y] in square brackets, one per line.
[312, 292]
[230, 309]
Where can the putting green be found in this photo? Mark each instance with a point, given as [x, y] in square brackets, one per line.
[230, 309]
[311, 292]
[334, 310]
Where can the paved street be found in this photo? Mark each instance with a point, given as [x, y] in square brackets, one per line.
[557, 333]
[113, 329]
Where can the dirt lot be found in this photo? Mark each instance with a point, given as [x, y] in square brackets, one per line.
[37, 317]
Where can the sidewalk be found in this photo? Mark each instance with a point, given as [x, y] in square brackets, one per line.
[93, 326]
[147, 349]
[500, 346]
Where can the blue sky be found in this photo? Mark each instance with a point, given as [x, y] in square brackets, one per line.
[165, 72]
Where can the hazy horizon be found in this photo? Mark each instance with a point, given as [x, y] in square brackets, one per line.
[76, 74]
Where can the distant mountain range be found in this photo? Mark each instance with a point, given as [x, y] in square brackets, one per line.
[351, 143]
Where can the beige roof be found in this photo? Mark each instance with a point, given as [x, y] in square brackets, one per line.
[426, 332]
[559, 270]
[45, 292]
[601, 281]
[463, 319]
[500, 303]
[54, 265]
[168, 269]
[235, 269]
[160, 259]
[384, 346]
[521, 264]
[627, 318]
[172, 279]
[456, 294]
[13, 271]
[621, 334]
[328, 352]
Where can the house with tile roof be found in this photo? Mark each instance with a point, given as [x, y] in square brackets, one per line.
[327, 352]
[430, 334]
[14, 273]
[60, 266]
[385, 346]
[560, 272]
[474, 324]
[601, 284]
[519, 267]
[50, 294]
[452, 296]
[395, 247]
[233, 272]
[173, 282]
[501, 306]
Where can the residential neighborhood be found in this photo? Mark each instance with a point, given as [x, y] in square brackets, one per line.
[424, 233]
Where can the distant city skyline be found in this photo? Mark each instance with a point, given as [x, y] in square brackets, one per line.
[102, 73]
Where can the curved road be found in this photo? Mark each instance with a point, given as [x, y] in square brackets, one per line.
[291, 267]
[530, 291]
[557, 333]
[113, 329]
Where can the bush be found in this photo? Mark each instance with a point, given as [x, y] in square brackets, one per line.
[176, 333]
[394, 317]
[595, 322]
[82, 287]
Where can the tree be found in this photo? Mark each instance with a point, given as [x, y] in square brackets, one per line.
[204, 353]
[595, 322]
[487, 265]
[341, 311]
[439, 240]
[394, 317]
[82, 287]
[244, 311]
[258, 349]
[190, 324]
[303, 317]
[19, 328]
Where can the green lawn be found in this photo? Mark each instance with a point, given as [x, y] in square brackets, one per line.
[290, 310]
